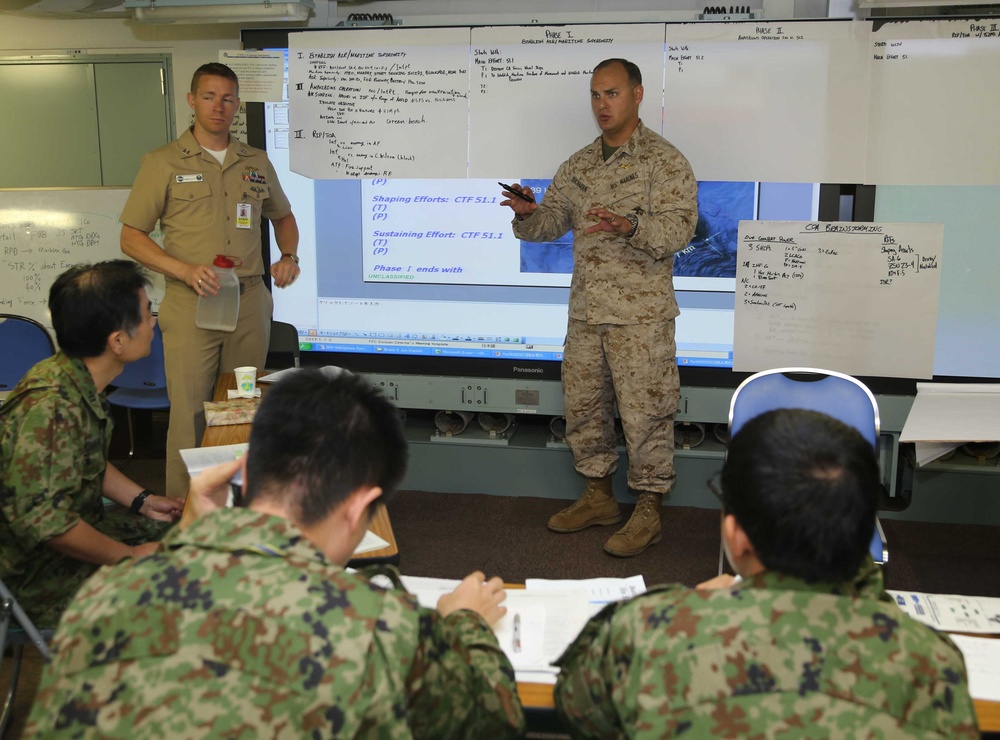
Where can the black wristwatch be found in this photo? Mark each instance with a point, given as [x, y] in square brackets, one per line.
[634, 220]
[139, 500]
[293, 257]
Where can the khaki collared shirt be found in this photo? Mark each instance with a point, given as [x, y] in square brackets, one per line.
[620, 280]
[195, 200]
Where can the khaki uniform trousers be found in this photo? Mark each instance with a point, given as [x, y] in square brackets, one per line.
[636, 365]
[194, 358]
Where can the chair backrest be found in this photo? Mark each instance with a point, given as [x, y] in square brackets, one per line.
[835, 394]
[283, 349]
[148, 373]
[23, 342]
[832, 393]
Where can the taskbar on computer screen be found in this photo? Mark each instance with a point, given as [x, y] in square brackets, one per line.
[504, 354]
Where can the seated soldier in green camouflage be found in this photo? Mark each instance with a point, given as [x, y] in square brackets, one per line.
[55, 429]
[246, 624]
[808, 644]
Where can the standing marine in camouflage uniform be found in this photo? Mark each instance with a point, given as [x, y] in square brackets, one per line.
[807, 645]
[620, 346]
[55, 429]
[246, 624]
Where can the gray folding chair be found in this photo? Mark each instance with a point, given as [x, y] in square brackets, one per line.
[17, 631]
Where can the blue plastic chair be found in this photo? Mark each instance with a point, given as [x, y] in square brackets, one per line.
[142, 385]
[23, 342]
[835, 394]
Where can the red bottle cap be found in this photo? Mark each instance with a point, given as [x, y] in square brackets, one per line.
[222, 260]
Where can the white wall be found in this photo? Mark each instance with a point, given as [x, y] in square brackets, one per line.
[192, 45]
[189, 46]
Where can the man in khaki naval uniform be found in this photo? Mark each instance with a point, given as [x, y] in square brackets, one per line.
[631, 200]
[209, 192]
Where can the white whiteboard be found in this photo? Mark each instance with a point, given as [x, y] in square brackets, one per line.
[44, 232]
[772, 100]
[795, 101]
[379, 103]
[530, 97]
[935, 111]
[860, 298]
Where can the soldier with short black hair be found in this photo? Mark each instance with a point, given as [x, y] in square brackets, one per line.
[246, 623]
[808, 644]
[55, 431]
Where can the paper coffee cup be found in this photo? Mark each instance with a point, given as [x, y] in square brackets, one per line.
[246, 381]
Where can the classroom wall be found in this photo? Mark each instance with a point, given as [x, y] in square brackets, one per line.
[193, 45]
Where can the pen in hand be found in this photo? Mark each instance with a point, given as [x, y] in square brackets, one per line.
[516, 642]
[517, 193]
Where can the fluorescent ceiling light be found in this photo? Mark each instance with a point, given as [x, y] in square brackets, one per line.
[218, 11]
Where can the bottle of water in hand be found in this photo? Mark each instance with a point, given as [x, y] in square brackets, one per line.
[220, 311]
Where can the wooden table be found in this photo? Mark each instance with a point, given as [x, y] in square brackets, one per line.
[232, 434]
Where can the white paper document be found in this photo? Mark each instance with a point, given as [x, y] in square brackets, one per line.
[928, 452]
[600, 591]
[549, 621]
[954, 412]
[277, 375]
[982, 663]
[369, 542]
[428, 590]
[197, 459]
[331, 371]
[951, 613]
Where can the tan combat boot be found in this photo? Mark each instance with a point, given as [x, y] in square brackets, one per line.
[640, 531]
[597, 505]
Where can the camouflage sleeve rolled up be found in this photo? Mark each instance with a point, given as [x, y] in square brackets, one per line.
[461, 683]
[648, 177]
[555, 215]
[46, 468]
[673, 208]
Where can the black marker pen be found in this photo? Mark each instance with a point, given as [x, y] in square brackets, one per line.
[516, 193]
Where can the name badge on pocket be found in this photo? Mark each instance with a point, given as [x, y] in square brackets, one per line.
[190, 178]
[243, 215]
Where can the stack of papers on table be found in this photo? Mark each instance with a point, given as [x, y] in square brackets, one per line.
[551, 615]
[952, 613]
[947, 415]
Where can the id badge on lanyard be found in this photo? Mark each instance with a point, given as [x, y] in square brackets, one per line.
[244, 213]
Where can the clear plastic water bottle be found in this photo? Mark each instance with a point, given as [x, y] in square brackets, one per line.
[220, 311]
